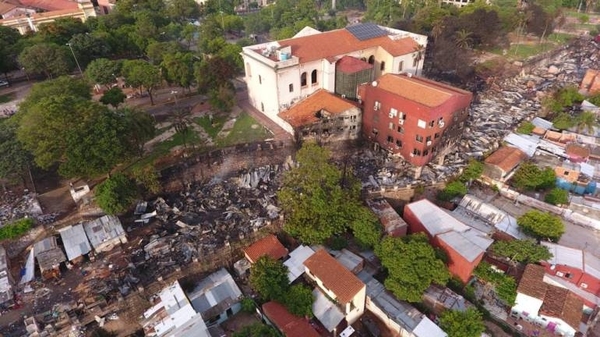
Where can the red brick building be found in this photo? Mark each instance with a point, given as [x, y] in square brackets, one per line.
[463, 245]
[411, 116]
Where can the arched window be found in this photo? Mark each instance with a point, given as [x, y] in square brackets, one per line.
[382, 66]
[371, 59]
[303, 79]
[248, 70]
[313, 77]
[364, 59]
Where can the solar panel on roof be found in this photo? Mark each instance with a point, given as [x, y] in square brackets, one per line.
[366, 31]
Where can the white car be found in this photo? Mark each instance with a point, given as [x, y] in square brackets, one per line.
[3, 83]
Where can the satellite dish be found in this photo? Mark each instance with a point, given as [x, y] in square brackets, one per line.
[374, 83]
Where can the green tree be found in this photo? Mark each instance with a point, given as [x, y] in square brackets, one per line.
[472, 172]
[181, 10]
[530, 177]
[563, 121]
[312, 197]
[452, 190]
[412, 266]
[269, 278]
[156, 51]
[61, 30]
[586, 121]
[505, 286]
[467, 323]
[148, 177]
[113, 97]
[541, 225]
[88, 47]
[463, 39]
[103, 71]
[14, 159]
[525, 128]
[222, 99]
[557, 196]
[61, 86]
[524, 251]
[141, 74]
[365, 227]
[563, 98]
[9, 40]
[256, 330]
[48, 59]
[298, 300]
[179, 68]
[115, 194]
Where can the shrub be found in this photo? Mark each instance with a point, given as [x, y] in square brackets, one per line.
[452, 190]
[557, 196]
[116, 194]
[526, 128]
[16, 229]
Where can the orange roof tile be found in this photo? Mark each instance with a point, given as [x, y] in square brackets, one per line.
[304, 112]
[290, 325]
[531, 283]
[6, 7]
[506, 158]
[268, 245]
[561, 303]
[418, 89]
[51, 5]
[566, 174]
[349, 64]
[334, 276]
[577, 150]
[341, 41]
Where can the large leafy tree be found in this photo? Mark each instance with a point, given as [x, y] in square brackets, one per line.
[88, 47]
[61, 30]
[541, 225]
[116, 194]
[180, 10]
[103, 71]
[179, 68]
[530, 177]
[269, 278]
[298, 300]
[412, 266]
[113, 96]
[525, 251]
[61, 86]
[141, 74]
[9, 38]
[467, 323]
[48, 59]
[14, 159]
[256, 330]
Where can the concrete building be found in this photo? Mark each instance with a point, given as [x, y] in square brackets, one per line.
[413, 117]
[503, 162]
[289, 325]
[281, 73]
[172, 315]
[105, 233]
[324, 117]
[553, 308]
[335, 283]
[6, 280]
[463, 245]
[400, 317]
[217, 297]
[27, 15]
[392, 223]
[269, 245]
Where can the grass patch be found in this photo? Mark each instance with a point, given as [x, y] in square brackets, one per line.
[245, 130]
[212, 129]
[16, 229]
[6, 98]
[523, 51]
[560, 38]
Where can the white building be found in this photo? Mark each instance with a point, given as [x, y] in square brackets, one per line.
[339, 294]
[279, 74]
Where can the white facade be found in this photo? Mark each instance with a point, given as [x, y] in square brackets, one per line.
[277, 78]
[527, 304]
[527, 308]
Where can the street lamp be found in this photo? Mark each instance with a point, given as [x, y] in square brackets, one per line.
[75, 57]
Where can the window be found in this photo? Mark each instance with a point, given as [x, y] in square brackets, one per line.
[431, 124]
[375, 132]
[398, 143]
[426, 152]
[377, 106]
[422, 124]
[353, 127]
[390, 139]
[371, 59]
[303, 79]
[248, 70]
[416, 152]
[419, 138]
[428, 139]
[313, 77]
[291, 87]
[262, 107]
[400, 66]
[259, 79]
[353, 118]
[436, 135]
[382, 65]
[400, 129]
[391, 126]
[415, 62]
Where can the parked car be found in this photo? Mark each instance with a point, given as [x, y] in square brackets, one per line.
[4, 83]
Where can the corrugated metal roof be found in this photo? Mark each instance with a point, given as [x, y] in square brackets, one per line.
[3, 258]
[542, 123]
[295, 263]
[592, 264]
[172, 312]
[463, 244]
[45, 245]
[326, 311]
[498, 218]
[103, 229]
[434, 219]
[348, 259]
[565, 255]
[427, 328]
[48, 254]
[214, 294]
[75, 241]
[527, 144]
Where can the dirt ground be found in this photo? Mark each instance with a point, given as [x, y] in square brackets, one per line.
[239, 321]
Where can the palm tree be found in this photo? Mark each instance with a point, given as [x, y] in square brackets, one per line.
[437, 29]
[463, 39]
[587, 121]
[419, 52]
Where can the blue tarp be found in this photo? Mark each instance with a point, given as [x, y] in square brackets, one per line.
[575, 188]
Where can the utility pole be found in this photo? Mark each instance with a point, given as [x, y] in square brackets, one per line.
[75, 57]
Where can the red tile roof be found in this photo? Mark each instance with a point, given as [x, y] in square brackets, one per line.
[561, 303]
[334, 276]
[577, 151]
[290, 325]
[304, 112]
[50, 5]
[349, 64]
[340, 42]
[531, 283]
[506, 158]
[418, 89]
[268, 245]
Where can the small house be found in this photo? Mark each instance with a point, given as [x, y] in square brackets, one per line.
[217, 297]
[6, 280]
[503, 162]
[75, 242]
[288, 324]
[105, 233]
[49, 257]
[269, 245]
